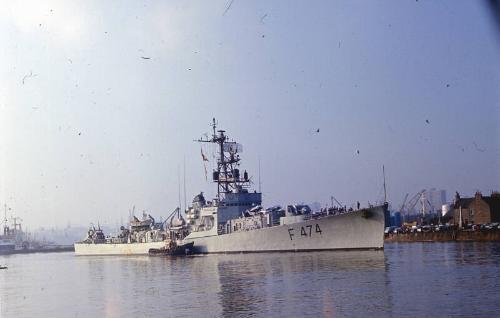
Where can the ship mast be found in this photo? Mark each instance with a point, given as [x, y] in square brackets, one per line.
[385, 190]
[227, 174]
[5, 219]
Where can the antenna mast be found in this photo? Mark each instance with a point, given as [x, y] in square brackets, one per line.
[260, 184]
[185, 202]
[227, 175]
[385, 190]
[179, 184]
[5, 219]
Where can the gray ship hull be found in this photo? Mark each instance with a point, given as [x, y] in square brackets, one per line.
[116, 249]
[362, 229]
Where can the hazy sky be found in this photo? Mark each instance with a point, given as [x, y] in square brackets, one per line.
[100, 101]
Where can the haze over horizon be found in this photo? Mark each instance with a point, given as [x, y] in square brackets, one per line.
[100, 101]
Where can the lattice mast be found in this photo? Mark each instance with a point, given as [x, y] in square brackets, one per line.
[227, 175]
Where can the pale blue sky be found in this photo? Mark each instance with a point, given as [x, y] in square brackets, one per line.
[95, 128]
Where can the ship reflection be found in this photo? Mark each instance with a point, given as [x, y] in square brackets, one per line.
[323, 284]
[311, 284]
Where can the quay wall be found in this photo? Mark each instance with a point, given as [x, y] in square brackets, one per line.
[447, 236]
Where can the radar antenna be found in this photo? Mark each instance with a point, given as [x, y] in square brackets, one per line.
[227, 174]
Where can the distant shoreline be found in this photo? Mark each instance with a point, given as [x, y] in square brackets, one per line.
[58, 249]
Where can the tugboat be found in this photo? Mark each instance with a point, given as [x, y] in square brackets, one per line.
[172, 249]
[177, 230]
[236, 222]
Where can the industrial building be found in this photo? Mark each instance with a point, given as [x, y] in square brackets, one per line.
[477, 210]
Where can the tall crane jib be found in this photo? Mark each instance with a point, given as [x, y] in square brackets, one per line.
[410, 205]
[426, 209]
[401, 209]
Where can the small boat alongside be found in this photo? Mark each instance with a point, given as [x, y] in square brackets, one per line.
[172, 249]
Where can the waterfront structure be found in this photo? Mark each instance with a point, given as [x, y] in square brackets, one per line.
[477, 210]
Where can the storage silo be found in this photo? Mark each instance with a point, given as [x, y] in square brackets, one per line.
[445, 208]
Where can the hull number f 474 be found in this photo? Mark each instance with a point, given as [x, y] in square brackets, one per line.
[306, 231]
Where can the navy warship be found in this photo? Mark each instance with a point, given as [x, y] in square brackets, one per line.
[235, 220]
[139, 237]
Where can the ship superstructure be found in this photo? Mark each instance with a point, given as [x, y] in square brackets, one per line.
[7, 237]
[233, 197]
[141, 236]
[12, 237]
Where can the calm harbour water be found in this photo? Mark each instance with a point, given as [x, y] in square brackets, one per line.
[418, 279]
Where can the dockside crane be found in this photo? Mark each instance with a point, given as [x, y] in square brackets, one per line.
[401, 209]
[413, 202]
[424, 201]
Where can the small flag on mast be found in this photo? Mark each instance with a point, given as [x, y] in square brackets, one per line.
[203, 155]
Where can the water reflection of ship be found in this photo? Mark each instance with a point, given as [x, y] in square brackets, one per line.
[311, 284]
